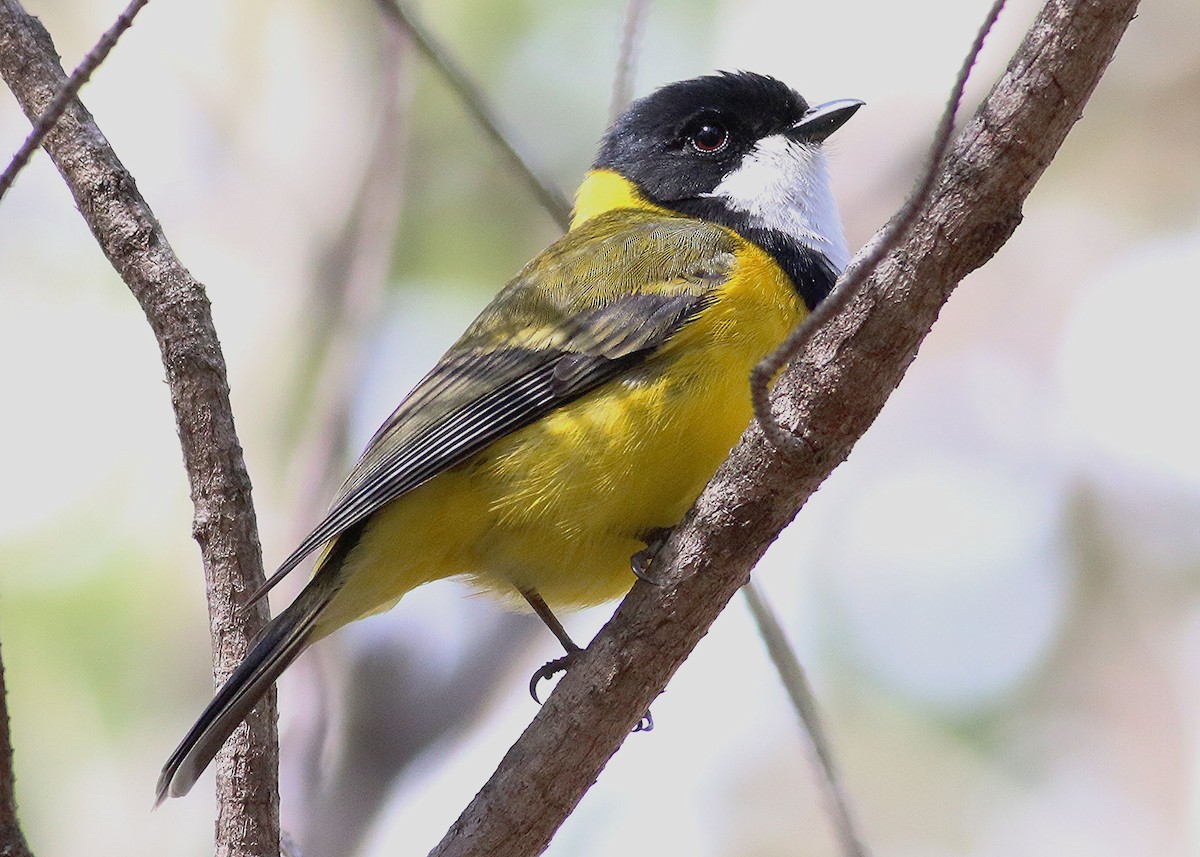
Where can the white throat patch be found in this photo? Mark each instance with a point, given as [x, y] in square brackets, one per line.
[783, 184]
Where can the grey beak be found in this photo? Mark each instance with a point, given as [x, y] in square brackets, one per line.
[821, 121]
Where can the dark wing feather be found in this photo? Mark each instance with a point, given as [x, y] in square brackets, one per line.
[583, 313]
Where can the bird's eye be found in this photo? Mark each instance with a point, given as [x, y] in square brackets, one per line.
[709, 137]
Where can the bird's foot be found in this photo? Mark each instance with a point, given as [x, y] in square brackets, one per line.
[561, 665]
[640, 562]
[551, 669]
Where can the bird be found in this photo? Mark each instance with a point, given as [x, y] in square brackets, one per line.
[547, 454]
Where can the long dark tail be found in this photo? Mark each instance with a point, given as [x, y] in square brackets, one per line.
[284, 638]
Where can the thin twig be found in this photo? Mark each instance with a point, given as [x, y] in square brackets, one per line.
[78, 78]
[804, 701]
[469, 91]
[783, 656]
[636, 13]
[178, 310]
[865, 264]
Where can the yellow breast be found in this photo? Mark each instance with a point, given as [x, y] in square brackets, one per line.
[574, 495]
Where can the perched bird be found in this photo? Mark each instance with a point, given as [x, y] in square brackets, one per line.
[581, 414]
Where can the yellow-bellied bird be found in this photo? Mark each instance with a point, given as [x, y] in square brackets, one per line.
[580, 416]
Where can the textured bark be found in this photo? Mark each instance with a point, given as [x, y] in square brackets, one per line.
[830, 394]
[178, 311]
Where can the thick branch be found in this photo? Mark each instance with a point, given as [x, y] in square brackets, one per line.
[178, 311]
[833, 390]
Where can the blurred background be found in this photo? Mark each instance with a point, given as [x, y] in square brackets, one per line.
[995, 596]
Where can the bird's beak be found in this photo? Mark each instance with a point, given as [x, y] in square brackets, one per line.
[821, 121]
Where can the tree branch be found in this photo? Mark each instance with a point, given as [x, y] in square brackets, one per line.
[787, 664]
[68, 91]
[179, 314]
[636, 13]
[867, 261]
[12, 841]
[833, 390]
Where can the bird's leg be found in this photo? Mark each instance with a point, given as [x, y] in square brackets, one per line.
[640, 561]
[559, 665]
[542, 609]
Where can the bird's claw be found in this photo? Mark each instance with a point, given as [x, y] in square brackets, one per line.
[549, 670]
[561, 665]
[640, 562]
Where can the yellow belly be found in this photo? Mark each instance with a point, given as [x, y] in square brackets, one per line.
[575, 495]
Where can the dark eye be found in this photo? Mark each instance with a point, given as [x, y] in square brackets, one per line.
[710, 136]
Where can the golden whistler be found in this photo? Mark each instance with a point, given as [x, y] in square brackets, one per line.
[580, 415]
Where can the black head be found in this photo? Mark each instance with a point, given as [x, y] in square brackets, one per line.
[680, 141]
[741, 150]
